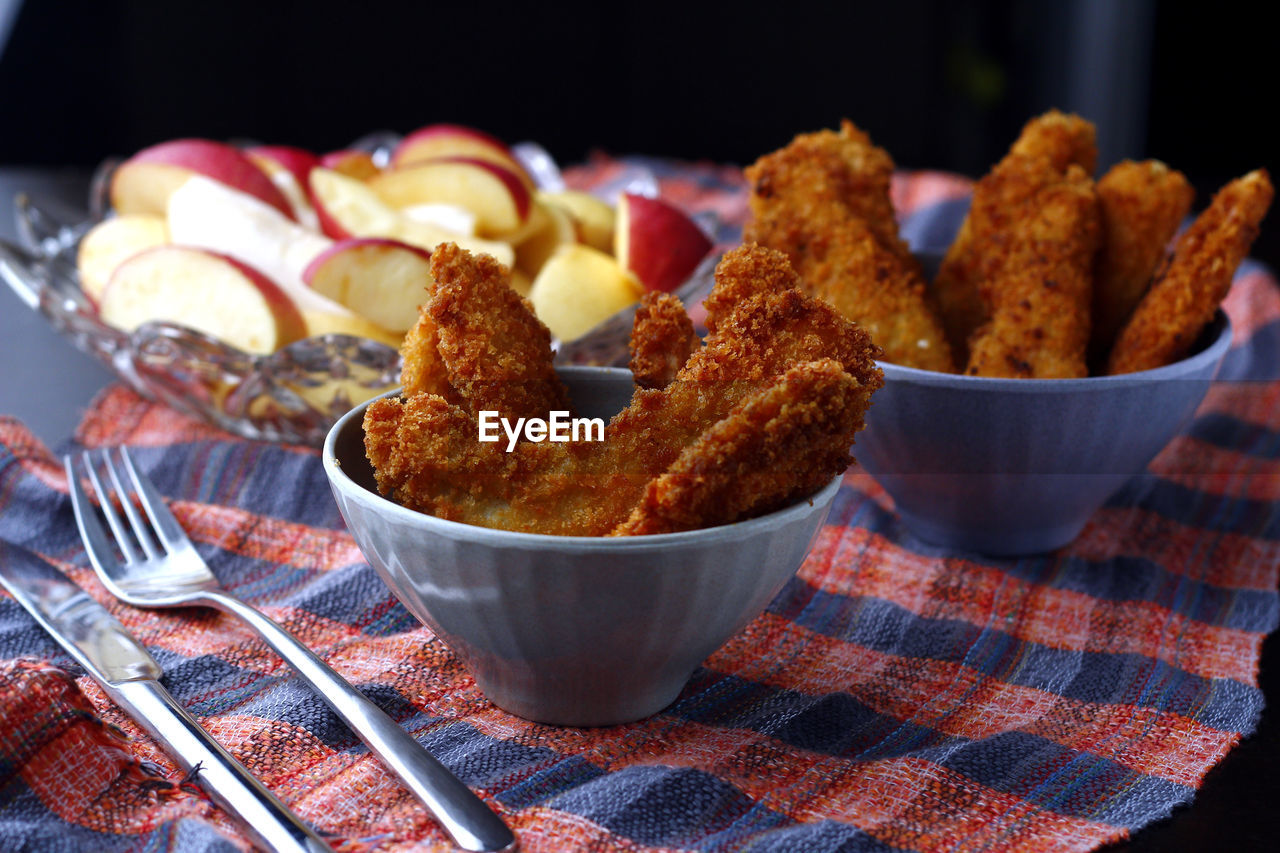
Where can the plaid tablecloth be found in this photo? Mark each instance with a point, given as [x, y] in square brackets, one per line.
[893, 696]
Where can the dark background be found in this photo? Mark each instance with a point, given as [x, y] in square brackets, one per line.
[940, 84]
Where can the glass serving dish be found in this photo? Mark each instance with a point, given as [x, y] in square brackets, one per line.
[294, 394]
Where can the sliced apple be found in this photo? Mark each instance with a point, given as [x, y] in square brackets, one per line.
[144, 182]
[208, 215]
[553, 228]
[112, 241]
[495, 194]
[658, 242]
[450, 217]
[351, 162]
[454, 140]
[288, 168]
[205, 291]
[382, 280]
[349, 323]
[580, 287]
[593, 217]
[350, 208]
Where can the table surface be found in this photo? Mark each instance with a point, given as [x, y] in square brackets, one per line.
[47, 384]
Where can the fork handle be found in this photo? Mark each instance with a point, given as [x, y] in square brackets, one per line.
[468, 820]
[267, 820]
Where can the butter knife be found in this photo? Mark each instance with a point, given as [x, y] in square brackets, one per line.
[130, 676]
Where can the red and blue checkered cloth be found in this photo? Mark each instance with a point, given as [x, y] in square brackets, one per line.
[893, 696]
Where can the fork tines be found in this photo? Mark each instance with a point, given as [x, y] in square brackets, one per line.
[124, 488]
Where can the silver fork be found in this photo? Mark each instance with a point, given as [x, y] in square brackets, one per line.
[161, 568]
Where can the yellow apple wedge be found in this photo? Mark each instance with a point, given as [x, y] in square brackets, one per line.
[349, 323]
[382, 280]
[205, 291]
[593, 217]
[144, 182]
[578, 288]
[112, 241]
[495, 194]
[551, 229]
[658, 242]
[349, 208]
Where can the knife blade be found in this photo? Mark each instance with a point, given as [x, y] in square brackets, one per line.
[130, 676]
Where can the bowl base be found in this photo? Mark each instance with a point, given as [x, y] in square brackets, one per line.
[1001, 542]
[562, 710]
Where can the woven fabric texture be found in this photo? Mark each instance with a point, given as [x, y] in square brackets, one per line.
[893, 696]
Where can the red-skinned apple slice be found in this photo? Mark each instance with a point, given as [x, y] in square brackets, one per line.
[288, 168]
[657, 242]
[351, 162]
[349, 208]
[299, 161]
[208, 292]
[144, 182]
[382, 280]
[495, 194]
[111, 242]
[454, 140]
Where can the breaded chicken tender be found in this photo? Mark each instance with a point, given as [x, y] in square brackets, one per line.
[1195, 279]
[1064, 139]
[749, 270]
[1054, 141]
[426, 455]
[776, 445]
[423, 371]
[824, 201]
[496, 352]
[1039, 291]
[1142, 205]
[662, 339]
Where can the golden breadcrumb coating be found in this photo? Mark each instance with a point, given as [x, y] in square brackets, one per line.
[777, 445]
[1039, 288]
[427, 457]
[1064, 138]
[1055, 139]
[824, 201]
[496, 352]
[662, 339]
[1142, 205]
[1195, 279]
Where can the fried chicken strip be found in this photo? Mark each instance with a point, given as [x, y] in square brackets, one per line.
[1195, 279]
[775, 446]
[495, 351]
[746, 271]
[1055, 139]
[824, 201]
[1142, 205]
[423, 371]
[1039, 294]
[588, 488]
[662, 339]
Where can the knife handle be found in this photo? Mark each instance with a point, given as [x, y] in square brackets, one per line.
[267, 820]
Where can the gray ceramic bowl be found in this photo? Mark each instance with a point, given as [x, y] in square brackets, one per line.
[1017, 466]
[580, 631]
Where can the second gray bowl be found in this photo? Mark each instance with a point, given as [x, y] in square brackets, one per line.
[1017, 466]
